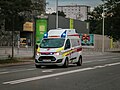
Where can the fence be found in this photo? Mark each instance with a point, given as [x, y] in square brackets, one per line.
[6, 52]
[98, 40]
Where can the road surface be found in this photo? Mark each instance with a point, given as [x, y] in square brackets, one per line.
[99, 72]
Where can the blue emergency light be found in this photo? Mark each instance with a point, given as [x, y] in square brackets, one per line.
[45, 35]
[63, 35]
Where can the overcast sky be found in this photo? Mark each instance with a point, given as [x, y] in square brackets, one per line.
[52, 3]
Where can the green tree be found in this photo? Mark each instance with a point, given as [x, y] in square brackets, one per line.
[14, 12]
[60, 13]
[112, 19]
[95, 20]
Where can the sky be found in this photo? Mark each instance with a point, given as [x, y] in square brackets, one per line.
[51, 6]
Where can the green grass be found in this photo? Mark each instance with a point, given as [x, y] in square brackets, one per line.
[8, 61]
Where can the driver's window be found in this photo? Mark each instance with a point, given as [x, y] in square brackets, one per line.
[67, 45]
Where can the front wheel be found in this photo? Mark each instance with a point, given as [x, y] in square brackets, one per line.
[37, 66]
[66, 63]
[79, 63]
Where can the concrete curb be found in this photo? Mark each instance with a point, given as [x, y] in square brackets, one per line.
[16, 64]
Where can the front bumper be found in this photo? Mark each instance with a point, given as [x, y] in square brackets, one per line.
[49, 64]
[49, 60]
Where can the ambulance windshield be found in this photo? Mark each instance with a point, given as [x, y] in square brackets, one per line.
[52, 43]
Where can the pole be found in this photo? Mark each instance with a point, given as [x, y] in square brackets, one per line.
[103, 15]
[18, 36]
[56, 14]
[111, 42]
[13, 39]
[34, 37]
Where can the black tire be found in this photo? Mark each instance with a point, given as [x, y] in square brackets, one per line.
[37, 66]
[79, 63]
[66, 63]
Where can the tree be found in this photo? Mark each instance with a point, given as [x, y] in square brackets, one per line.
[14, 10]
[13, 13]
[115, 19]
[112, 19]
[60, 13]
[95, 20]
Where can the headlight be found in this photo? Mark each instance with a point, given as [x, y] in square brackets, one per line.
[37, 54]
[58, 53]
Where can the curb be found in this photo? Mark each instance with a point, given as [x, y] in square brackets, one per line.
[17, 64]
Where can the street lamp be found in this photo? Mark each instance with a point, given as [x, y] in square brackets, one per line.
[103, 28]
[48, 10]
[56, 14]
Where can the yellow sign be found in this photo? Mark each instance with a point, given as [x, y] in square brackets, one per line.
[28, 26]
[111, 42]
[42, 28]
[71, 24]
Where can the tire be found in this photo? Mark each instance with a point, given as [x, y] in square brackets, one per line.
[66, 63]
[37, 66]
[79, 63]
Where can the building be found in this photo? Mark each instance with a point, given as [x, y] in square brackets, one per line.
[80, 26]
[79, 12]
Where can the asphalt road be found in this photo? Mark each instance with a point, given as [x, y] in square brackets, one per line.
[100, 72]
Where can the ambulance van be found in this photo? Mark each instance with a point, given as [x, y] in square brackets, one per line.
[59, 47]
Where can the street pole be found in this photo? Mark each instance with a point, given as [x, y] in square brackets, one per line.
[103, 28]
[13, 39]
[56, 14]
[18, 37]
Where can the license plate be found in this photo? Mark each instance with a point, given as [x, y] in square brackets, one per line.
[46, 60]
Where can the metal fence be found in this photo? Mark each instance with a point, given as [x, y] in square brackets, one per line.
[6, 37]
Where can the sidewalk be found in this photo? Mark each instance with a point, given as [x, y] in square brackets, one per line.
[16, 64]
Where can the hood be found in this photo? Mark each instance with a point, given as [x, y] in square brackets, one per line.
[50, 49]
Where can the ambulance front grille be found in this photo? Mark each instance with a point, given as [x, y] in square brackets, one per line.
[46, 53]
[52, 58]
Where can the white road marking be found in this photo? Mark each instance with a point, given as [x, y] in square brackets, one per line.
[99, 60]
[115, 58]
[6, 72]
[108, 56]
[14, 71]
[59, 74]
[49, 70]
[103, 60]
[95, 61]
[105, 57]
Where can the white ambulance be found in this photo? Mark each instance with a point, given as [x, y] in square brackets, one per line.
[59, 47]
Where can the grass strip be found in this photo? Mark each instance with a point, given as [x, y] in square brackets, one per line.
[7, 61]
